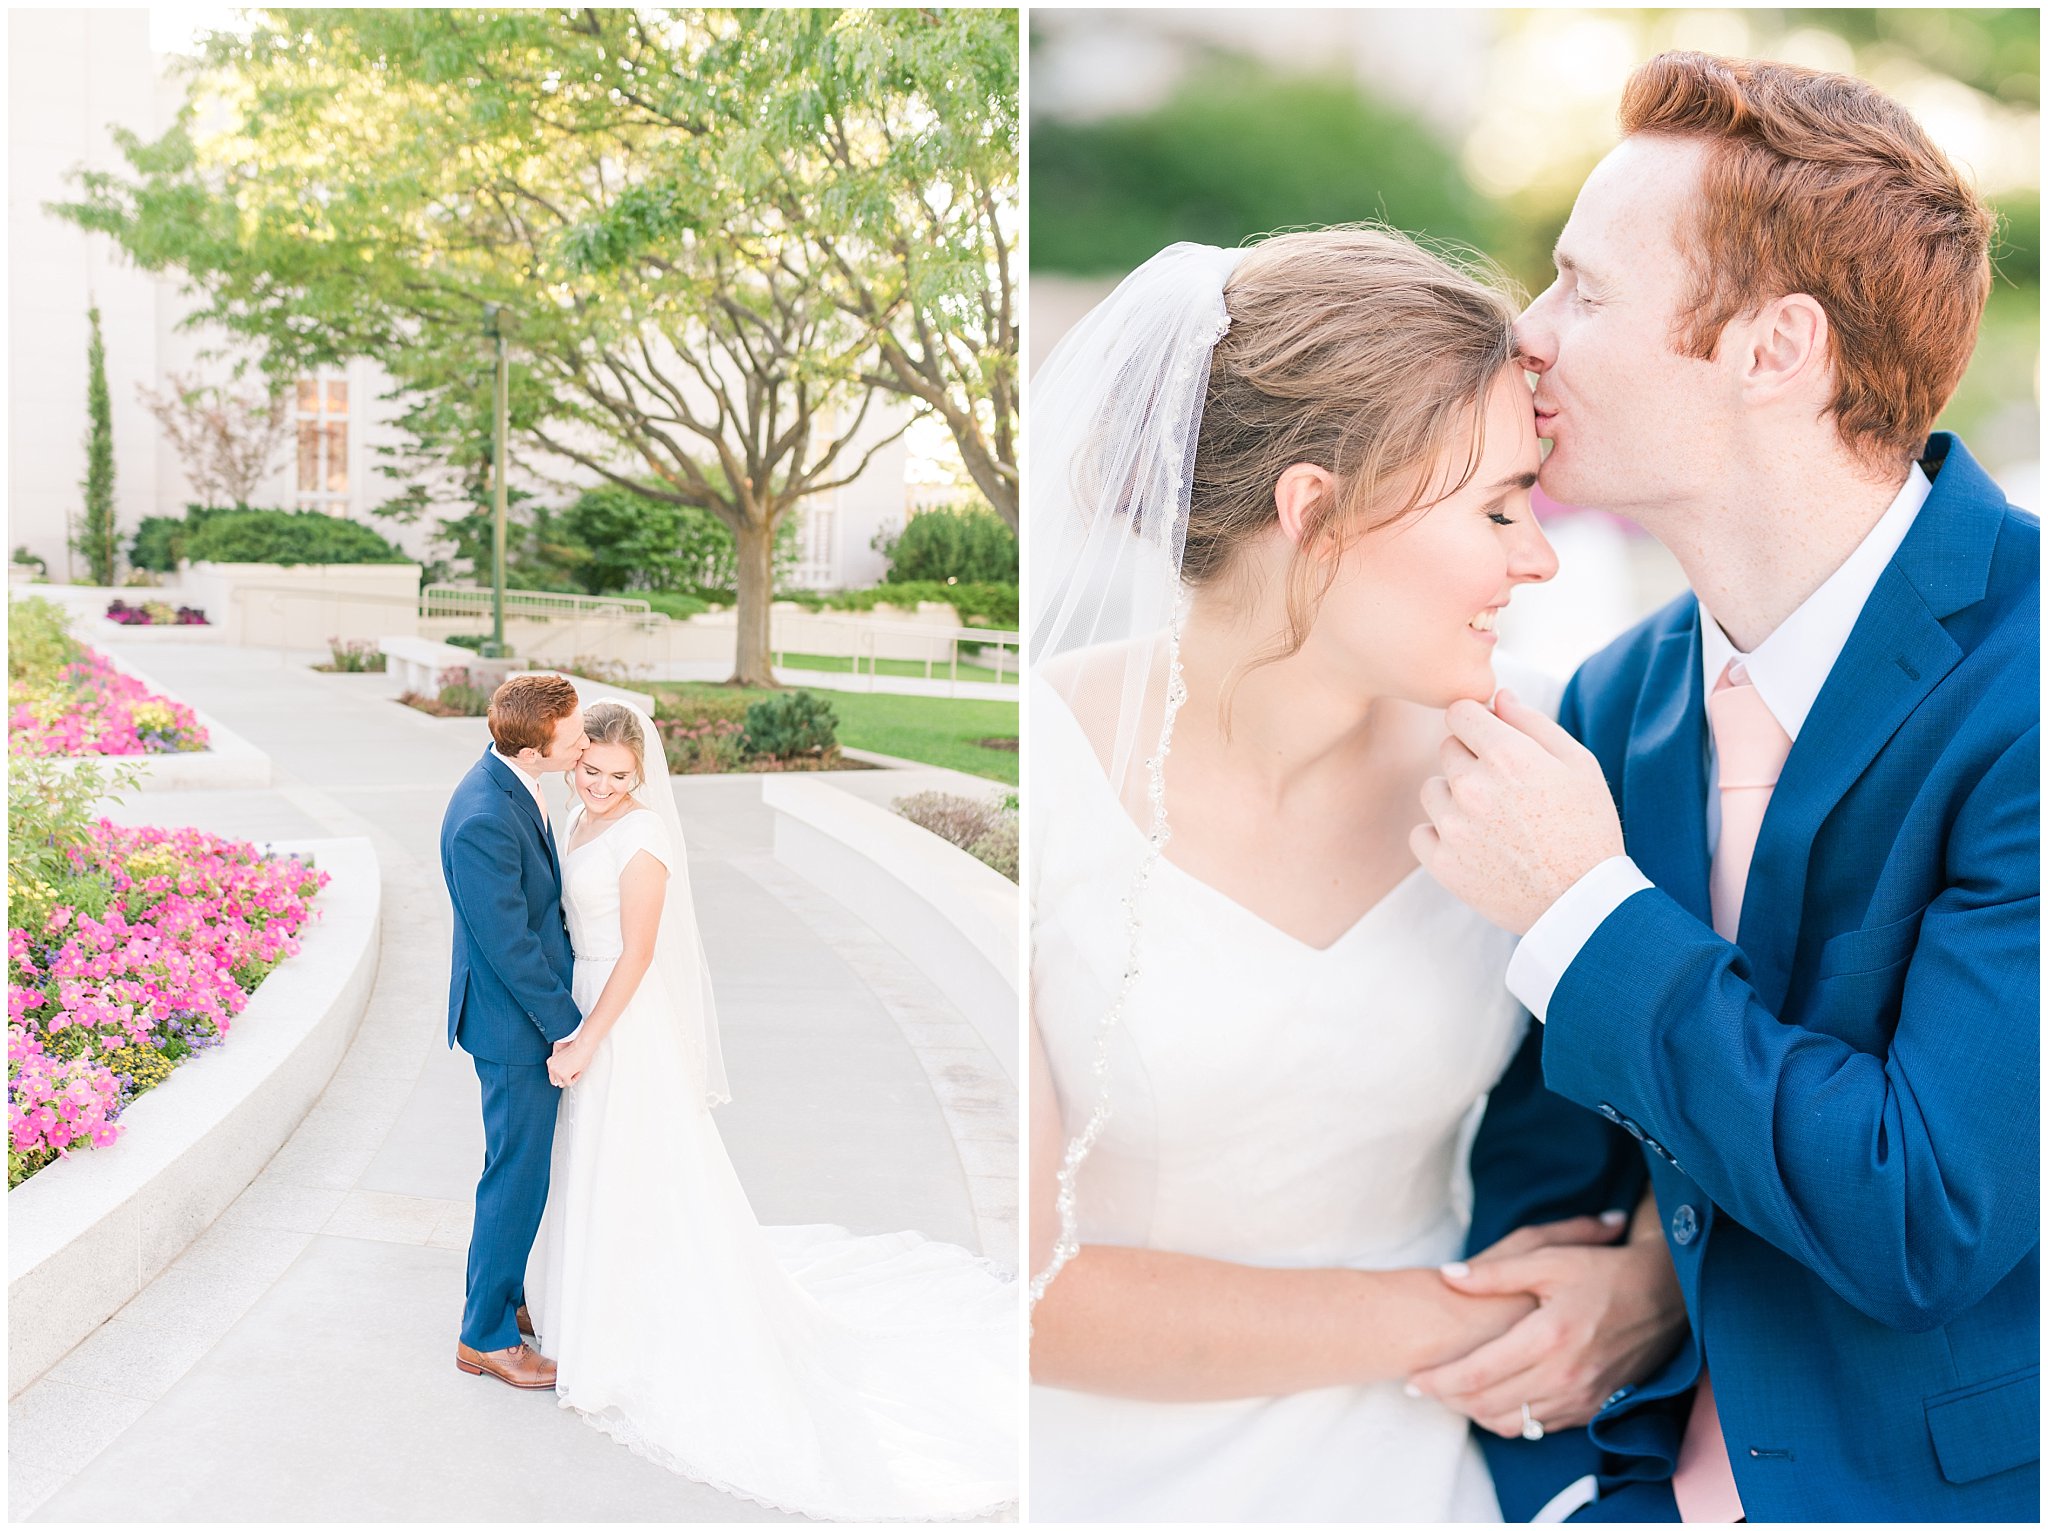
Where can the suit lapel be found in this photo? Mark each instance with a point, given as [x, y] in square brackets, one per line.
[1664, 780]
[1897, 653]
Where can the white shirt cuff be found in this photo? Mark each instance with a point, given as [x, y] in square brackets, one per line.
[572, 1036]
[1568, 1502]
[1554, 941]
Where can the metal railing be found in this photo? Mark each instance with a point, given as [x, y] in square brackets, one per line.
[441, 601]
[867, 641]
[575, 619]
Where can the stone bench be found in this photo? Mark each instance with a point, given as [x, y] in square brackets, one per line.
[418, 662]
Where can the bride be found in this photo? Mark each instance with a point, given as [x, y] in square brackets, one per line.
[1280, 498]
[801, 1368]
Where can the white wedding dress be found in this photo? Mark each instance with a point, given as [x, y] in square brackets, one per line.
[801, 1368]
[1273, 1104]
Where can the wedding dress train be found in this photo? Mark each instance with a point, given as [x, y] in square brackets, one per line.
[801, 1368]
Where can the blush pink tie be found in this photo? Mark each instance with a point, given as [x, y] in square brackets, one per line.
[1750, 749]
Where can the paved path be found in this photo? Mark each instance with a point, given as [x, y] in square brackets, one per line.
[295, 1363]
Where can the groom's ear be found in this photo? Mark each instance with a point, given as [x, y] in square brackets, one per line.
[1785, 349]
[1302, 498]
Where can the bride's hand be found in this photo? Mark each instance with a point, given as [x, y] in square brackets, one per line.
[567, 1062]
[1605, 1315]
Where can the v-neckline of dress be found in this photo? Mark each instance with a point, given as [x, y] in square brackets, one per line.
[579, 814]
[1244, 911]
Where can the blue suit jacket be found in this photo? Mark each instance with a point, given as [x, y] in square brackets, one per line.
[508, 990]
[1840, 1111]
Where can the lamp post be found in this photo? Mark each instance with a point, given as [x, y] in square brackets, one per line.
[494, 326]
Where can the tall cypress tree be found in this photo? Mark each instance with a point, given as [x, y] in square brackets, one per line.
[94, 541]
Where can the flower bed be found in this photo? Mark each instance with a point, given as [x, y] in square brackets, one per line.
[91, 708]
[705, 734]
[66, 699]
[128, 950]
[155, 614]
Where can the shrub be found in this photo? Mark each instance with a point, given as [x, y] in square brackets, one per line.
[969, 544]
[286, 537]
[461, 695]
[675, 604]
[792, 725]
[727, 706]
[634, 541]
[49, 828]
[159, 541]
[39, 641]
[978, 605]
[998, 848]
[28, 560]
[474, 641]
[703, 746]
[986, 830]
[356, 656]
[613, 672]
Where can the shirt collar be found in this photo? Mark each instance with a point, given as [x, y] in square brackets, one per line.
[532, 782]
[1790, 666]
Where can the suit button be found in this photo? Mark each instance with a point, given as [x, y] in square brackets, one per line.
[1685, 1225]
[1633, 1130]
[1616, 1396]
[1609, 1112]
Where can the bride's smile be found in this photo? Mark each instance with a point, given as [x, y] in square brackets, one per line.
[605, 778]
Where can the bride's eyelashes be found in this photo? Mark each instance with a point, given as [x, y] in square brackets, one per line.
[1499, 518]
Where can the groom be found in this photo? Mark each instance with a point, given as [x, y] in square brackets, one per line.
[509, 1001]
[1797, 976]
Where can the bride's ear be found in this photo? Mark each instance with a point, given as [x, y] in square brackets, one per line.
[1299, 495]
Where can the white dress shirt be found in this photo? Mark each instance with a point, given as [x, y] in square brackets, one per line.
[532, 781]
[1788, 670]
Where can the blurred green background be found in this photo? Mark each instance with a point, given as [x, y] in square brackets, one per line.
[1476, 127]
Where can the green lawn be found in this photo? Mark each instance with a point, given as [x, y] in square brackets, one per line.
[911, 667]
[939, 731]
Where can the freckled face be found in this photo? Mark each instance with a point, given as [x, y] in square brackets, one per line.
[1634, 426]
[605, 778]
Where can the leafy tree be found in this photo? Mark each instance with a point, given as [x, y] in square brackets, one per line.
[379, 175]
[94, 539]
[1237, 150]
[906, 133]
[636, 543]
[226, 438]
[967, 543]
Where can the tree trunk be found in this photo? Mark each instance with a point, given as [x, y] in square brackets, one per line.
[998, 490]
[752, 658]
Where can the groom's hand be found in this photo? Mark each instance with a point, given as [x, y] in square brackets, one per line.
[1605, 1315]
[563, 1071]
[1520, 813]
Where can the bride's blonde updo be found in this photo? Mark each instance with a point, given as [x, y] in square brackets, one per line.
[1357, 351]
[609, 723]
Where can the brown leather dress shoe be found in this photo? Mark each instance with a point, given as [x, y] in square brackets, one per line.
[525, 1322]
[519, 1366]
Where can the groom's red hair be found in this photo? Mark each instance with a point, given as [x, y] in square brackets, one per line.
[525, 710]
[1822, 184]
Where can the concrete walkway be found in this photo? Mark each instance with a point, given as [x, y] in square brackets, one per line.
[296, 1363]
